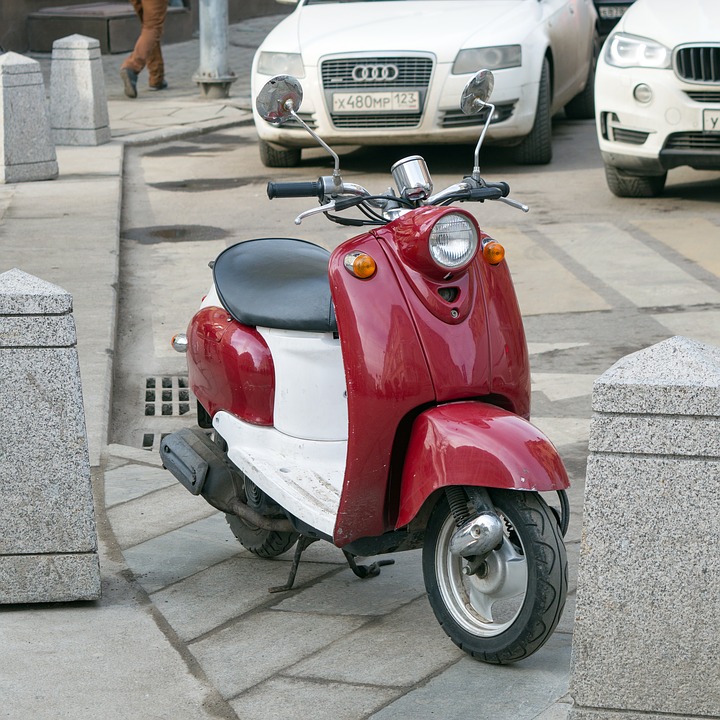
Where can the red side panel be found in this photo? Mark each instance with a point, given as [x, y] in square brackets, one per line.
[230, 367]
[387, 377]
[472, 443]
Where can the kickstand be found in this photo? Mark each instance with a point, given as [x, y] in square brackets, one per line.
[302, 544]
[364, 571]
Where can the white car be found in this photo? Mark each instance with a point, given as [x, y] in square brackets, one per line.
[657, 94]
[378, 72]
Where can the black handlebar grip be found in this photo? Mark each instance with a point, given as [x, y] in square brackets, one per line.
[294, 189]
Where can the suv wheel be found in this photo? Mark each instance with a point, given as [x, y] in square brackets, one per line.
[636, 186]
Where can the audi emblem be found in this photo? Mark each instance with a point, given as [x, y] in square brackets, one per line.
[375, 73]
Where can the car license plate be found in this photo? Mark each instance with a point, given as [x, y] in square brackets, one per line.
[372, 102]
[711, 120]
[611, 12]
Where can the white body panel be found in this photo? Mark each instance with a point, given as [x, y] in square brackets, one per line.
[310, 392]
[304, 476]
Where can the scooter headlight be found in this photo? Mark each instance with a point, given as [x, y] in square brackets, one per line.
[453, 241]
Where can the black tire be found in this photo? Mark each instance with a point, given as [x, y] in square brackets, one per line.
[263, 543]
[582, 106]
[536, 148]
[523, 590]
[633, 186]
[275, 157]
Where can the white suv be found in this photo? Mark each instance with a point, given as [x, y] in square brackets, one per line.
[657, 94]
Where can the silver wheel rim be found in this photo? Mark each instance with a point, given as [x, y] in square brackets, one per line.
[483, 606]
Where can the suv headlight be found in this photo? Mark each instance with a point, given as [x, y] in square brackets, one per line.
[453, 241]
[632, 51]
[489, 58]
[272, 63]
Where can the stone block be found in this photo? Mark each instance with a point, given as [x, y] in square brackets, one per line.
[78, 101]
[647, 622]
[27, 151]
[48, 540]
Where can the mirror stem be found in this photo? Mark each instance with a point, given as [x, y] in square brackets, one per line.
[336, 172]
[476, 169]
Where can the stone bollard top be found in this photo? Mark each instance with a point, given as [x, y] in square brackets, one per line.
[24, 294]
[678, 376]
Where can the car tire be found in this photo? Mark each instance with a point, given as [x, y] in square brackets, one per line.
[278, 157]
[582, 106]
[634, 186]
[536, 148]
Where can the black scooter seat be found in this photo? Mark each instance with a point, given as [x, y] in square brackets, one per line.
[276, 283]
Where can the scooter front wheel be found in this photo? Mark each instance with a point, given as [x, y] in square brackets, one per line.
[507, 607]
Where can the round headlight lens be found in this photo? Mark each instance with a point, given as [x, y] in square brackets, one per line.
[453, 241]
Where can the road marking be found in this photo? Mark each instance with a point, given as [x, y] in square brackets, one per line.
[543, 285]
[630, 268]
[696, 238]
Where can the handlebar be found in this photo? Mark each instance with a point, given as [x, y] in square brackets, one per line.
[295, 189]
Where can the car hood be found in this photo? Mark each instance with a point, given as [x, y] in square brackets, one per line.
[440, 27]
[671, 23]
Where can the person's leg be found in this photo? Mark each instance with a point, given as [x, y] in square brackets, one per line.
[147, 48]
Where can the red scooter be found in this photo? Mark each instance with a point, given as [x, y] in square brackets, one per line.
[377, 397]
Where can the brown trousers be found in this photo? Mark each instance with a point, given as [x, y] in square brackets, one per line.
[147, 51]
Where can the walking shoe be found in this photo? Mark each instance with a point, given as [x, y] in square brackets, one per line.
[129, 78]
[161, 86]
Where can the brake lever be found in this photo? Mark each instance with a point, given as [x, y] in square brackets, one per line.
[320, 209]
[515, 204]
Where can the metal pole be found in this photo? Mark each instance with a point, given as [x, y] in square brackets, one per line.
[214, 76]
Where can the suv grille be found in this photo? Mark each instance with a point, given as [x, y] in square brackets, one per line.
[365, 74]
[693, 141]
[699, 63]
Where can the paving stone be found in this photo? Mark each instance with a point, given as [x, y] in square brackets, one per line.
[256, 648]
[131, 481]
[397, 650]
[230, 589]
[293, 699]
[346, 594]
[470, 689]
[155, 514]
[165, 559]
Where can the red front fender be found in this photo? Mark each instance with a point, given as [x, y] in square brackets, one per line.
[472, 443]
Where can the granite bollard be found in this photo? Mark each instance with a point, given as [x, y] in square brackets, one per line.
[78, 102]
[646, 644]
[26, 145]
[48, 540]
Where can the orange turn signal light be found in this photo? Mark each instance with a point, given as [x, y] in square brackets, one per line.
[360, 265]
[493, 252]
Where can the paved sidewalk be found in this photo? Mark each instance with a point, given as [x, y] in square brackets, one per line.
[185, 627]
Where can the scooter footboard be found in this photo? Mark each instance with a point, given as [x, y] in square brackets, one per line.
[475, 444]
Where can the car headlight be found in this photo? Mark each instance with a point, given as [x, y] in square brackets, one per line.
[632, 51]
[272, 63]
[453, 241]
[489, 58]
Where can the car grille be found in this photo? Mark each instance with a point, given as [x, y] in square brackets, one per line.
[458, 119]
[413, 73]
[704, 97]
[698, 63]
[693, 141]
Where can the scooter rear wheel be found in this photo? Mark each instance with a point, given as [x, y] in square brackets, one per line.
[263, 543]
[507, 609]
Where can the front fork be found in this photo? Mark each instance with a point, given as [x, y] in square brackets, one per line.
[481, 532]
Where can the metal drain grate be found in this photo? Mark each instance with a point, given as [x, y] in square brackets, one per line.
[168, 395]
